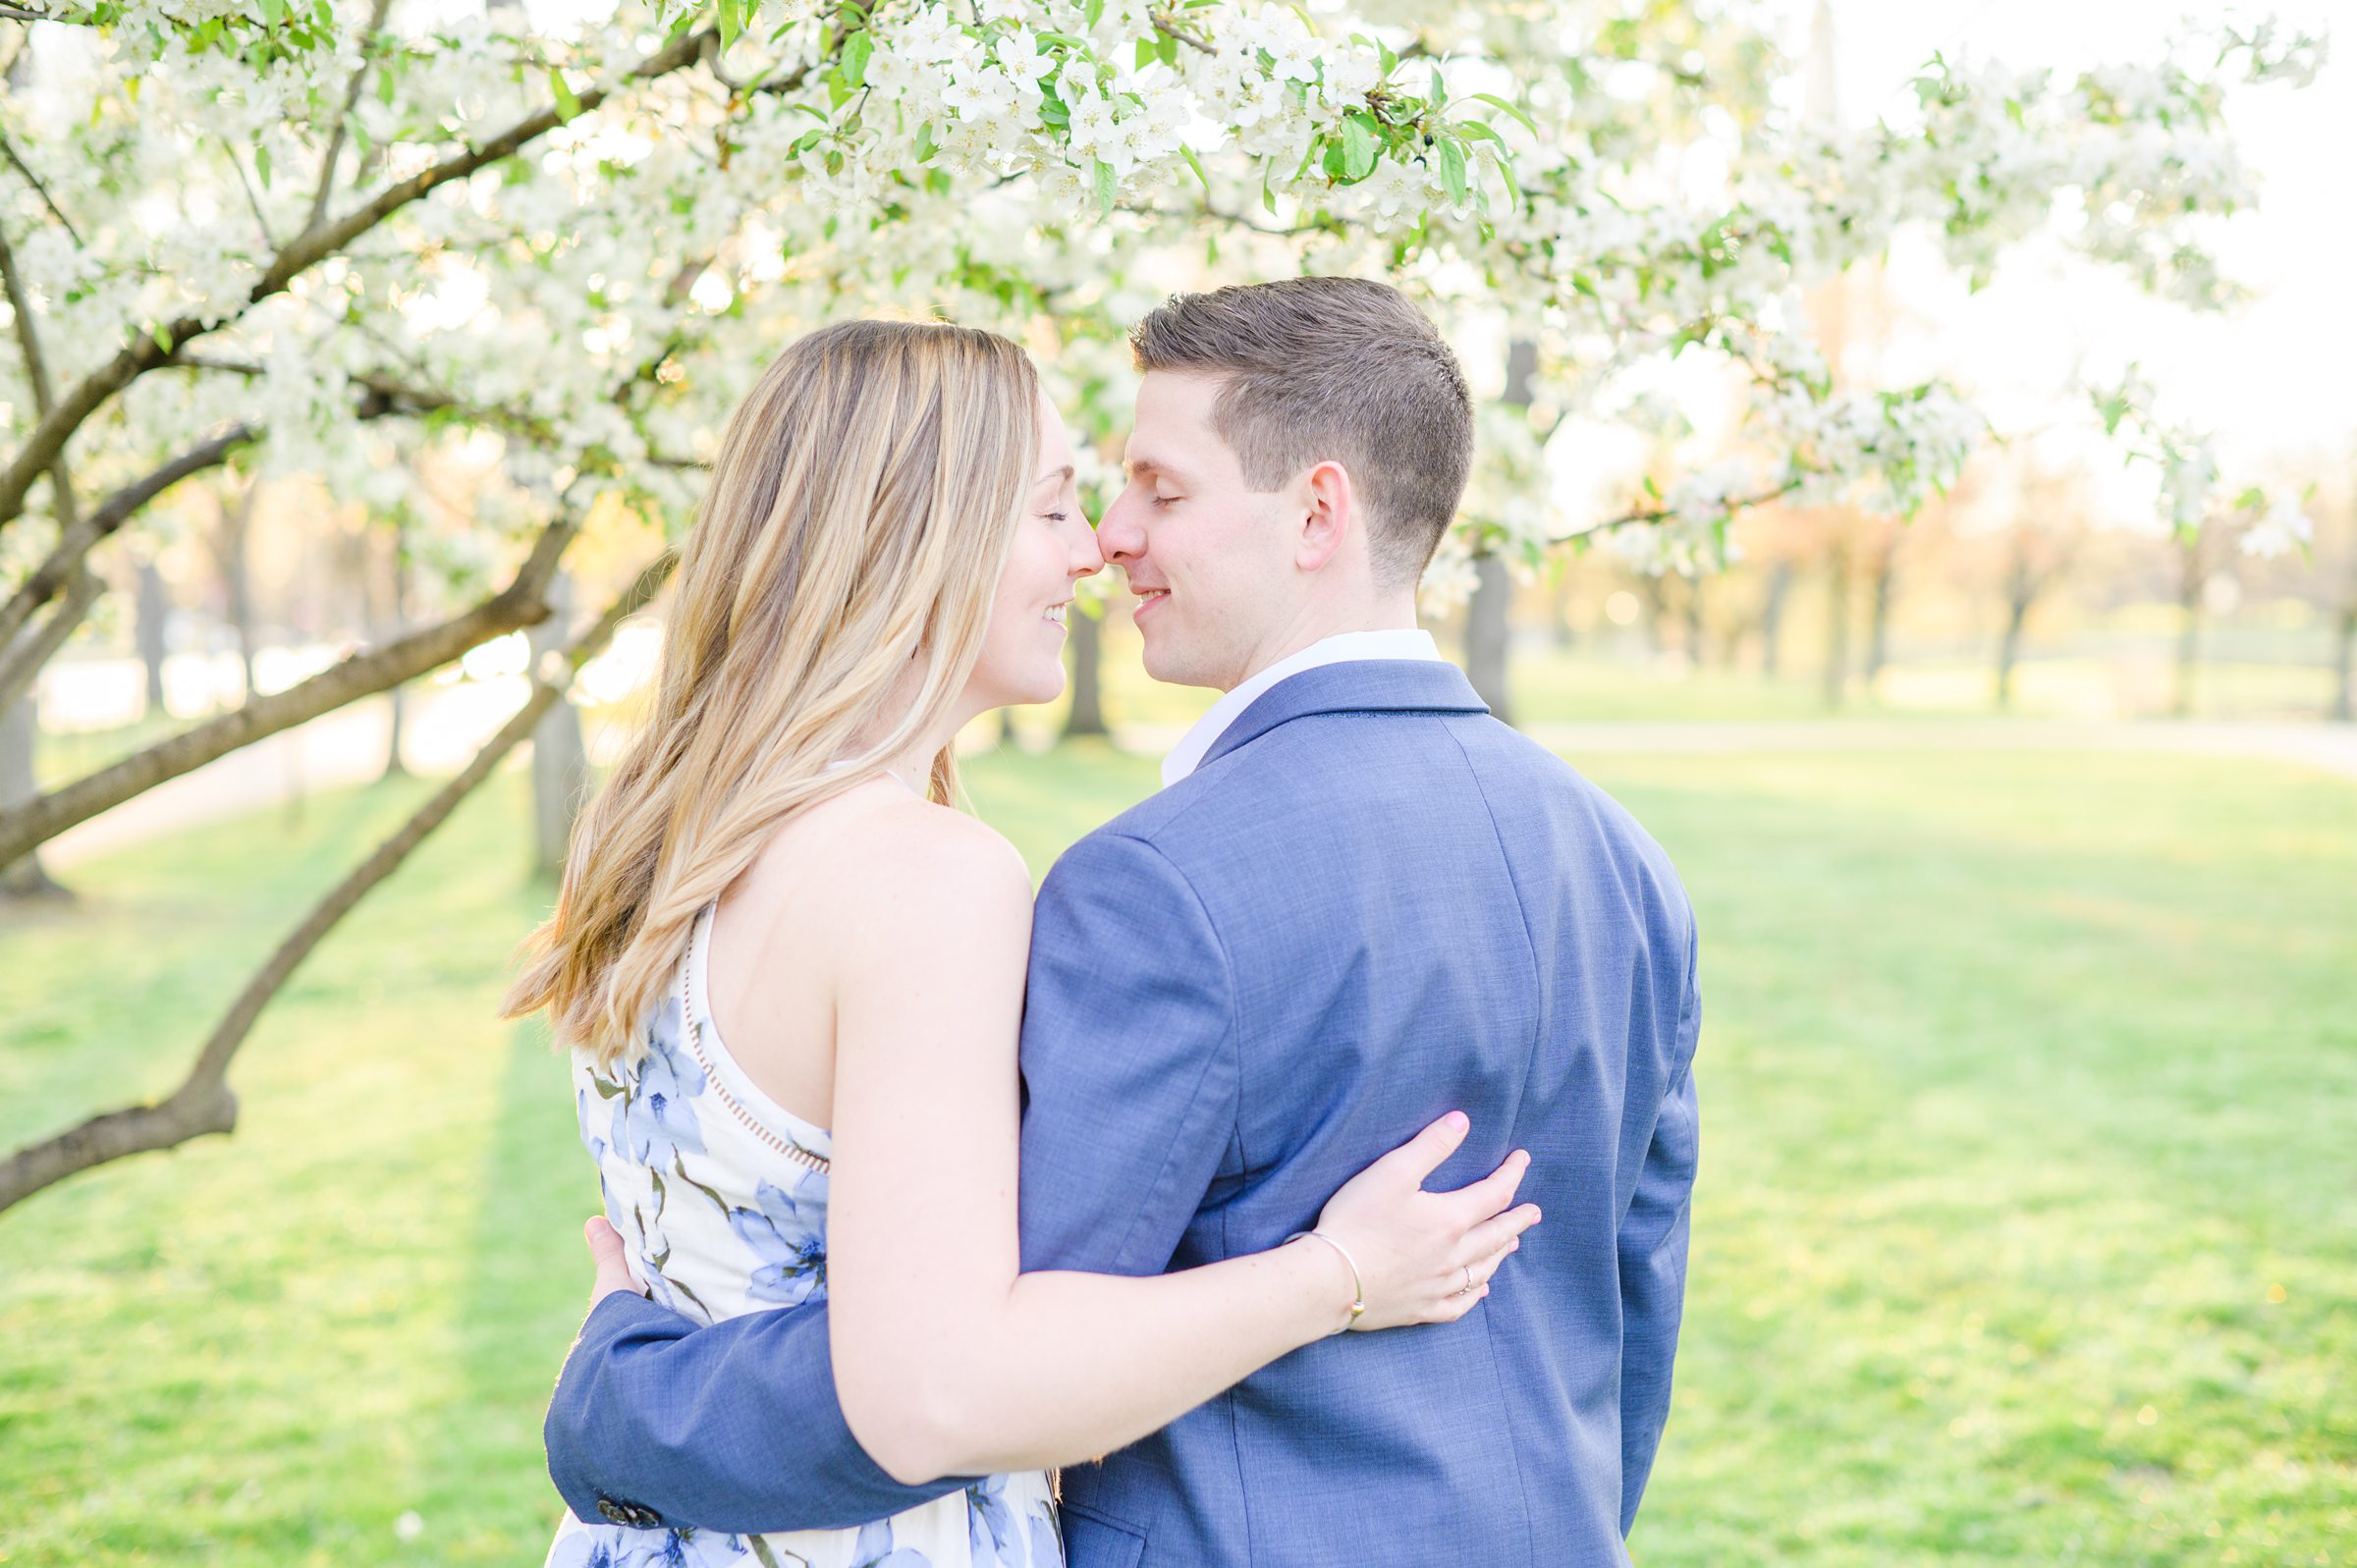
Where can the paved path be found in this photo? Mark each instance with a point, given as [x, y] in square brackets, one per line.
[445, 725]
[441, 727]
[2331, 747]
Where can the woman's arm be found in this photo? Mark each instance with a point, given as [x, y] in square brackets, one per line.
[948, 1359]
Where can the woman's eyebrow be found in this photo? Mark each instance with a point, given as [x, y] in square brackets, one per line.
[1064, 472]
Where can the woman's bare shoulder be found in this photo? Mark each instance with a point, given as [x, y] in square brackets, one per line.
[882, 859]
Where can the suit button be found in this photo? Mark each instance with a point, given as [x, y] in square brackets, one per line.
[636, 1516]
[615, 1513]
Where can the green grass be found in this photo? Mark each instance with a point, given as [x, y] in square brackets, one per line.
[2027, 1084]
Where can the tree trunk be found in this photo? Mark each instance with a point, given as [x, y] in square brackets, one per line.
[2345, 665]
[1486, 629]
[2008, 648]
[2021, 591]
[1087, 649]
[151, 605]
[1486, 636]
[1772, 616]
[237, 579]
[1837, 624]
[560, 762]
[2189, 631]
[1656, 612]
[397, 606]
[25, 876]
[1567, 636]
[1878, 632]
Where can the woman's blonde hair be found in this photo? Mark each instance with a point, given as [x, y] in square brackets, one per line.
[860, 514]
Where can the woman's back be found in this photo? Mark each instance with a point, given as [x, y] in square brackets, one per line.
[720, 1195]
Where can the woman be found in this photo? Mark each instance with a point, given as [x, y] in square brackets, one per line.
[887, 551]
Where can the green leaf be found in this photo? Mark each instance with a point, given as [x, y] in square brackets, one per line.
[261, 163]
[855, 51]
[732, 21]
[1452, 167]
[1149, 50]
[1093, 12]
[1107, 187]
[1506, 107]
[1358, 148]
[924, 141]
[566, 104]
[1196, 164]
[1440, 88]
[1506, 172]
[274, 12]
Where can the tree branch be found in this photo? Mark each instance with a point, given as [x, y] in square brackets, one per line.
[253, 202]
[364, 674]
[22, 665]
[203, 1102]
[53, 575]
[41, 190]
[306, 250]
[1628, 520]
[36, 371]
[351, 99]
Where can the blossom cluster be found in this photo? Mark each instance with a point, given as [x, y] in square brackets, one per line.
[681, 186]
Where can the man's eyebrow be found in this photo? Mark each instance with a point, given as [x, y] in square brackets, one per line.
[1146, 465]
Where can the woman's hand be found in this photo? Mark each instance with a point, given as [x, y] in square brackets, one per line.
[613, 1262]
[1427, 1257]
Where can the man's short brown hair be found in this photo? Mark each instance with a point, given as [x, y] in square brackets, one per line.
[1332, 368]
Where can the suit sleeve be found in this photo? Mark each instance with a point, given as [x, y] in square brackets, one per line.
[1129, 1060]
[1653, 1258]
[733, 1427]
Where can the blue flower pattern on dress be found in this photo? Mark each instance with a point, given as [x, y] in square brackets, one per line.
[718, 1221]
[787, 1233]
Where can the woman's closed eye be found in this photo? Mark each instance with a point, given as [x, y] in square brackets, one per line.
[1167, 501]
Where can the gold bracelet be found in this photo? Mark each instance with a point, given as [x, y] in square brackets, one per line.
[1359, 1304]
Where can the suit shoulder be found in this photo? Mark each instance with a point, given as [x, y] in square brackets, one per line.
[1527, 766]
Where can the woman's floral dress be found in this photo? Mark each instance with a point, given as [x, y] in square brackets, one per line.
[720, 1194]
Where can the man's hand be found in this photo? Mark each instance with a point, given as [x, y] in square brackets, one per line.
[613, 1265]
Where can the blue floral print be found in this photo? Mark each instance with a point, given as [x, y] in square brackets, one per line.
[787, 1232]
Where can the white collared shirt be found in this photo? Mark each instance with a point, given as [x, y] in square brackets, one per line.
[1342, 647]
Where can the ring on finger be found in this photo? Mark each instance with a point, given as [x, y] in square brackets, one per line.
[1469, 1280]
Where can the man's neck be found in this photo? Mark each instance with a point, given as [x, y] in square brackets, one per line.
[1389, 615]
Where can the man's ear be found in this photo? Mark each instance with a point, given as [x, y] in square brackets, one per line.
[1329, 515]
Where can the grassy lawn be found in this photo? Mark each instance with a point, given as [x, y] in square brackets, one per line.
[2027, 1230]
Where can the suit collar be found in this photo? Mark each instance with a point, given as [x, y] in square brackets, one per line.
[1357, 685]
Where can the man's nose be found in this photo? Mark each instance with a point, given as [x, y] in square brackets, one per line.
[1119, 539]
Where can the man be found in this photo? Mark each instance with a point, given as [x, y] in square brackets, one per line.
[1359, 901]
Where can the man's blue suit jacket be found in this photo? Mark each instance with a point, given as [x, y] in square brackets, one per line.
[1372, 903]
